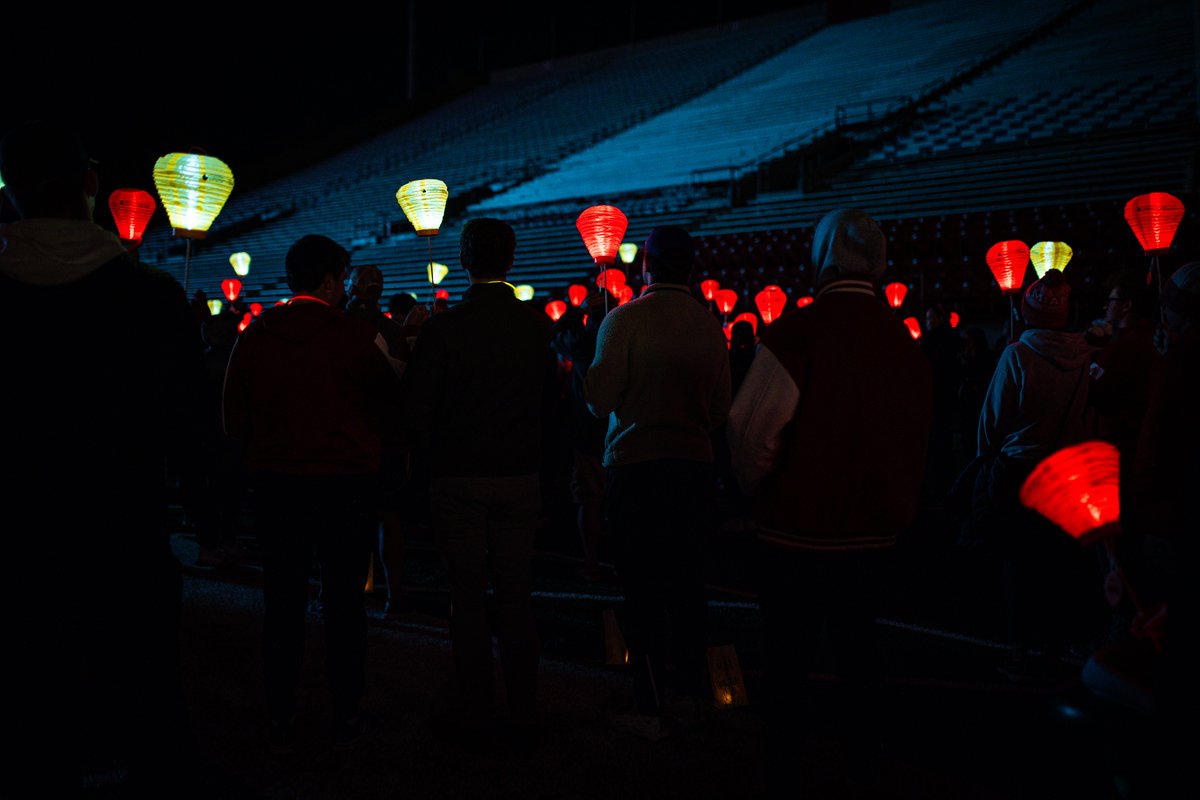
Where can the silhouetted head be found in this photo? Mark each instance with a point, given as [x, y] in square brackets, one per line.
[1128, 299]
[47, 173]
[848, 244]
[1047, 302]
[316, 265]
[668, 255]
[486, 248]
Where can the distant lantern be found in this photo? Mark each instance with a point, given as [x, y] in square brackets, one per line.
[805, 300]
[612, 280]
[280, 303]
[256, 309]
[441, 294]
[240, 263]
[436, 272]
[747, 316]
[770, 301]
[193, 189]
[726, 300]
[628, 252]
[1050, 255]
[131, 210]
[914, 327]
[231, 287]
[1007, 261]
[245, 323]
[709, 289]
[214, 307]
[895, 293]
[523, 291]
[555, 309]
[625, 295]
[954, 319]
[1078, 489]
[1154, 219]
[602, 228]
[577, 294]
[424, 203]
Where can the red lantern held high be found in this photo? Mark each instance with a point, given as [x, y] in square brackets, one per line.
[555, 309]
[245, 323]
[612, 280]
[804, 300]
[1154, 218]
[231, 287]
[726, 300]
[954, 319]
[441, 294]
[771, 302]
[256, 308]
[602, 229]
[709, 289]
[914, 327]
[1008, 262]
[131, 210]
[577, 294]
[895, 293]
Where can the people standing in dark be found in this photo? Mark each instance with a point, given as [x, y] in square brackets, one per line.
[661, 379]
[741, 353]
[943, 349]
[307, 392]
[978, 364]
[91, 434]
[223, 478]
[476, 393]
[828, 435]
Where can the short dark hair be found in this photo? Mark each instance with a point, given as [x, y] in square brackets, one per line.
[312, 258]
[669, 254]
[486, 247]
[401, 303]
[42, 165]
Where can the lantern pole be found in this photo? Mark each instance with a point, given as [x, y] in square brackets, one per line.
[429, 274]
[1137, 606]
[1157, 268]
[1012, 317]
[187, 259]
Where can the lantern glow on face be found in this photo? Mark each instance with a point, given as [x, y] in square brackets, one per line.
[193, 189]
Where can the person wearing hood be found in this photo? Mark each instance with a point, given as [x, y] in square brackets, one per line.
[89, 433]
[828, 435]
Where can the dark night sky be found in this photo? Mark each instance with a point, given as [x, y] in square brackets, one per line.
[269, 94]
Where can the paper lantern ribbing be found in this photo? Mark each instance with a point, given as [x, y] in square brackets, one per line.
[424, 203]
[1154, 219]
[709, 289]
[435, 272]
[214, 307]
[726, 300]
[523, 291]
[193, 189]
[1050, 255]
[240, 263]
[806, 300]
[231, 287]
[628, 252]
[895, 293]
[771, 301]
[602, 228]
[914, 327]
[555, 309]
[256, 308]
[746, 316]
[1007, 261]
[131, 210]
[1078, 489]
[577, 294]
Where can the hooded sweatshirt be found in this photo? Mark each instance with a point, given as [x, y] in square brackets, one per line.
[1036, 403]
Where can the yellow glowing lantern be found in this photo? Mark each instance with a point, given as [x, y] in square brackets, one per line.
[240, 263]
[1049, 255]
[436, 272]
[193, 188]
[424, 203]
[214, 307]
[628, 252]
[523, 291]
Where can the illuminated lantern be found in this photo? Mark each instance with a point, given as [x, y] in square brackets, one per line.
[770, 301]
[611, 279]
[625, 295]
[806, 300]
[214, 307]
[747, 316]
[1050, 255]
[245, 323]
[602, 228]
[231, 287]
[954, 319]
[193, 189]
[709, 289]
[441, 294]
[628, 252]
[914, 327]
[436, 272]
[240, 263]
[577, 294]
[555, 309]
[1007, 261]
[895, 293]
[1077, 489]
[523, 291]
[726, 300]
[280, 303]
[424, 203]
[256, 308]
[131, 210]
[1154, 219]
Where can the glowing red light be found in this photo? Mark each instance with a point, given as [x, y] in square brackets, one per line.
[245, 323]
[255, 309]
[131, 210]
[1078, 489]
[914, 327]
[612, 280]
[1008, 262]
[709, 289]
[806, 300]
[232, 287]
[282, 303]
[895, 293]
[602, 228]
[748, 316]
[441, 294]
[771, 301]
[577, 294]
[726, 300]
[625, 295]
[555, 309]
[954, 319]
[1154, 219]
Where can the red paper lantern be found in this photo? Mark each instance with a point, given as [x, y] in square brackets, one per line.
[624, 295]
[256, 308]
[577, 294]
[231, 287]
[555, 309]
[602, 228]
[611, 280]
[441, 294]
[771, 302]
[954, 319]
[1008, 261]
[245, 323]
[1078, 489]
[895, 293]
[726, 300]
[280, 303]
[131, 210]
[914, 327]
[709, 289]
[1154, 219]
[748, 316]
[806, 300]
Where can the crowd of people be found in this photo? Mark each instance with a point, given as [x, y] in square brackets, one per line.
[831, 433]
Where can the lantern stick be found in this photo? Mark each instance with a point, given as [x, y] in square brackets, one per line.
[1155, 266]
[1012, 318]
[1137, 606]
[429, 274]
[187, 258]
